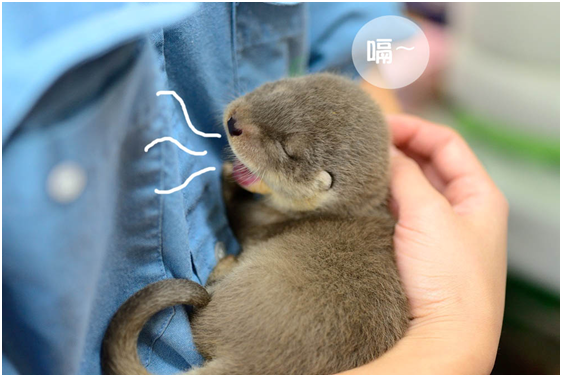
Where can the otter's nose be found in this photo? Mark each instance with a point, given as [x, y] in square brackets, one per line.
[232, 129]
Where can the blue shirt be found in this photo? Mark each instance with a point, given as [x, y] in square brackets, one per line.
[82, 226]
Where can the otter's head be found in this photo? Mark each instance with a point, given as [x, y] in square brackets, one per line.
[313, 143]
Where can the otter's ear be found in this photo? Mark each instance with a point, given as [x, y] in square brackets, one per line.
[324, 180]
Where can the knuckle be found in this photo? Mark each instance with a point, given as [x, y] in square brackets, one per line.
[453, 135]
[498, 200]
[502, 201]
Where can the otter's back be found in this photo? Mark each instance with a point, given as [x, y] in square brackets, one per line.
[321, 297]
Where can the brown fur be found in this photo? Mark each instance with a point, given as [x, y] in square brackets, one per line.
[315, 290]
[119, 349]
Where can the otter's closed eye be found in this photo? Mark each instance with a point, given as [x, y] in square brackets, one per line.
[286, 150]
[295, 146]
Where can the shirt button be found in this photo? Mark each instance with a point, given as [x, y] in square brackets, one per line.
[65, 182]
[220, 251]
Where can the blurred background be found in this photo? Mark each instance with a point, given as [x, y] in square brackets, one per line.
[494, 75]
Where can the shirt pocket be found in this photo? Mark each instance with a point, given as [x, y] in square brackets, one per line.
[270, 42]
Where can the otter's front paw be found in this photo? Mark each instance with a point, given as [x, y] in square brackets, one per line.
[229, 185]
[224, 267]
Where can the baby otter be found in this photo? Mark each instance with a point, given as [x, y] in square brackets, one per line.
[315, 289]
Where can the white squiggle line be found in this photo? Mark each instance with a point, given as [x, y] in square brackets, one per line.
[184, 185]
[172, 140]
[185, 114]
[405, 48]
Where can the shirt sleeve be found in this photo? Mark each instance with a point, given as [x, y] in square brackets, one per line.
[332, 29]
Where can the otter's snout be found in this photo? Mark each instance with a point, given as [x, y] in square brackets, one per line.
[232, 129]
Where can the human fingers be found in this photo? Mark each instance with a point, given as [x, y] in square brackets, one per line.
[448, 154]
[430, 172]
[410, 189]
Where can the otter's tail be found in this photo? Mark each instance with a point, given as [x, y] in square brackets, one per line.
[119, 349]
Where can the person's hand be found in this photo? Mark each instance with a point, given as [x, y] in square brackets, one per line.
[450, 239]
[450, 243]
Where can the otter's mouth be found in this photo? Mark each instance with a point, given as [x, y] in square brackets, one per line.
[247, 179]
[242, 174]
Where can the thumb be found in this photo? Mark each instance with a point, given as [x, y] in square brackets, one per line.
[410, 189]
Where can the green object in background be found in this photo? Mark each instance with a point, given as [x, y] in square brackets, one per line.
[529, 146]
[296, 67]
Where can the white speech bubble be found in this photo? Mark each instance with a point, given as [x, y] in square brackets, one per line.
[390, 52]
